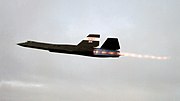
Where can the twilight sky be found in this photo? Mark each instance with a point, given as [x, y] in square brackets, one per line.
[142, 26]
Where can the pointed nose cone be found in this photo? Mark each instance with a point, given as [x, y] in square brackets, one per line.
[21, 44]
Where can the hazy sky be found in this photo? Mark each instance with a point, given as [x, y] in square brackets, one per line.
[142, 26]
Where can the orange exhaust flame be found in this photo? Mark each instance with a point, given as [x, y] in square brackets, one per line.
[144, 56]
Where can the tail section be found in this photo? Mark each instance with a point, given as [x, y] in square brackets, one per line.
[91, 41]
[111, 44]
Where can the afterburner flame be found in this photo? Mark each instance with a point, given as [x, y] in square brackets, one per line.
[144, 56]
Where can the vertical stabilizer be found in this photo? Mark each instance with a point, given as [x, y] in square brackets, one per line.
[111, 44]
[91, 41]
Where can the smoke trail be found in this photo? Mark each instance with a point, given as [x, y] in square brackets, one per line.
[144, 56]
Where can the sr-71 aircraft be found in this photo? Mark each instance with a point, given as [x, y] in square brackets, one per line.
[87, 47]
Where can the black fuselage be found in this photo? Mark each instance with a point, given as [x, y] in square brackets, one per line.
[71, 49]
